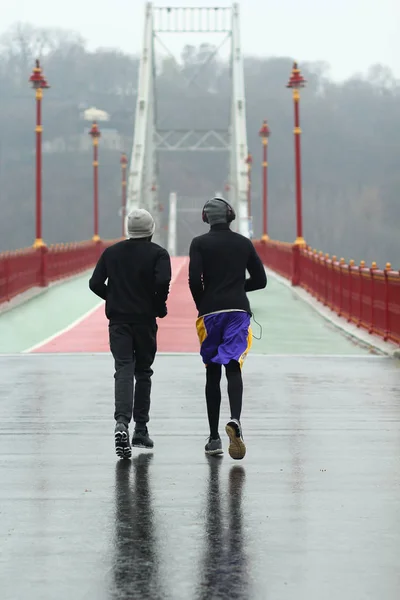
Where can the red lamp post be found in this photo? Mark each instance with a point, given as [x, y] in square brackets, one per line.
[296, 82]
[39, 83]
[249, 163]
[264, 134]
[95, 134]
[124, 162]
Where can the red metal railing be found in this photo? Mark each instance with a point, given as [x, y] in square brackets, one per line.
[277, 255]
[29, 268]
[19, 271]
[71, 258]
[366, 296]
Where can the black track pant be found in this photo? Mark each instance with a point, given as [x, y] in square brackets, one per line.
[133, 347]
[213, 393]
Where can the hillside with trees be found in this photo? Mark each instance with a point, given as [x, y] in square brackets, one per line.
[351, 147]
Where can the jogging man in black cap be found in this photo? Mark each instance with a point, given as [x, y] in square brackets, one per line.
[217, 279]
[139, 275]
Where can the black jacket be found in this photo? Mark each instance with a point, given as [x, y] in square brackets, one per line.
[217, 271]
[139, 275]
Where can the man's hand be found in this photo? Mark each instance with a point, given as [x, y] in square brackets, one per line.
[162, 312]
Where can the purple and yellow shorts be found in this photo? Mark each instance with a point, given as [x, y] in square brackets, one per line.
[224, 336]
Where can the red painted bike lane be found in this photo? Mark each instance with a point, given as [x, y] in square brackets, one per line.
[176, 333]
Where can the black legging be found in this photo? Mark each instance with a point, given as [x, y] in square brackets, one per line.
[213, 393]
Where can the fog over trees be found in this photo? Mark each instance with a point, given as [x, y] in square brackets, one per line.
[350, 142]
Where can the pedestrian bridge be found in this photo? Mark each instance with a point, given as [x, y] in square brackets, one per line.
[311, 512]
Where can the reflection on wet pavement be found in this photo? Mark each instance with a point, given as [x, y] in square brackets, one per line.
[312, 512]
[135, 561]
[223, 569]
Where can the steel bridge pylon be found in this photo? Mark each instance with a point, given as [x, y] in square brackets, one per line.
[149, 140]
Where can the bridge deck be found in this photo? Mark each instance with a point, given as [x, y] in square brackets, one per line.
[312, 512]
[289, 325]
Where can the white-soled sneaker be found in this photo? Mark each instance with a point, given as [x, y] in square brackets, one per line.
[122, 443]
[213, 447]
[237, 448]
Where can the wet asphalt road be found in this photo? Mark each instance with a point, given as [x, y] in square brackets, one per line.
[312, 512]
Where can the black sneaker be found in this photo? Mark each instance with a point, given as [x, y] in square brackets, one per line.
[122, 443]
[213, 447]
[237, 449]
[141, 439]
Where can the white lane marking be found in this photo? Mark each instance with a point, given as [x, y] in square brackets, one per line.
[88, 313]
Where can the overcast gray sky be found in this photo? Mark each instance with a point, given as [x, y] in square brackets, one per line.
[349, 34]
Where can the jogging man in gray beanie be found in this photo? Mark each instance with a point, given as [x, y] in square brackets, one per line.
[139, 274]
[217, 279]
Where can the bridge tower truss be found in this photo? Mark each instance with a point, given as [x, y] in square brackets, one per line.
[149, 140]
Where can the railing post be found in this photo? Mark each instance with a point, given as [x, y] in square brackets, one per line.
[312, 275]
[332, 271]
[319, 286]
[317, 278]
[371, 272]
[360, 268]
[387, 314]
[351, 264]
[341, 263]
[295, 264]
[42, 266]
[326, 258]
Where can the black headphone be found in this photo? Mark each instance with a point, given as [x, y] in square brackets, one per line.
[230, 213]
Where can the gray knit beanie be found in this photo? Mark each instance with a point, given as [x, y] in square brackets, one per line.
[216, 211]
[140, 224]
